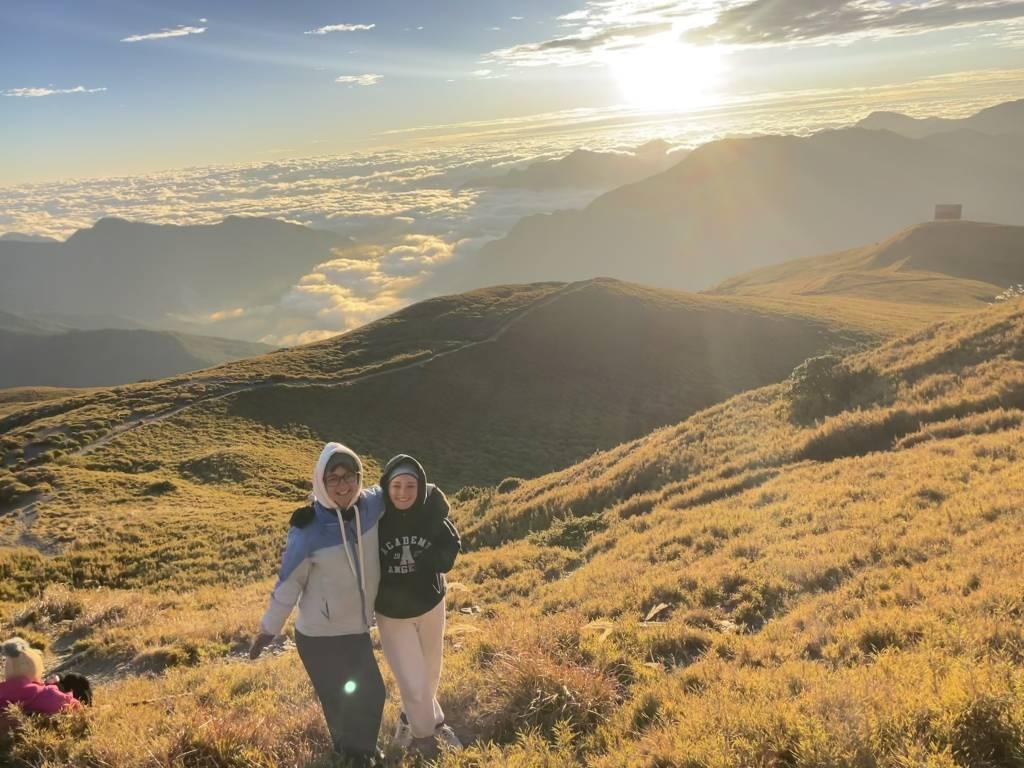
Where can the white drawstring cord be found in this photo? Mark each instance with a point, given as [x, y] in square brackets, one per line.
[362, 566]
[344, 543]
[361, 575]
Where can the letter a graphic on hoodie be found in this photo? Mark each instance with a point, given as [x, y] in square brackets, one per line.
[407, 556]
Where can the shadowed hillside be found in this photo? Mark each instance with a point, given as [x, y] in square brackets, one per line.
[941, 267]
[509, 380]
[774, 581]
[35, 357]
[737, 204]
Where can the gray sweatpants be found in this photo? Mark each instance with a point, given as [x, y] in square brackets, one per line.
[347, 681]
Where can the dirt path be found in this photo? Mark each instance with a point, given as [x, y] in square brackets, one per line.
[27, 512]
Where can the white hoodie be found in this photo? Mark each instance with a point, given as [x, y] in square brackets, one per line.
[330, 568]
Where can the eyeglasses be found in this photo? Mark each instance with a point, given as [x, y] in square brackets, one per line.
[333, 481]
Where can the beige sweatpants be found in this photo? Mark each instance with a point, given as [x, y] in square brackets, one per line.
[413, 649]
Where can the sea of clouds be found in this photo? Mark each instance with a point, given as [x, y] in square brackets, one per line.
[409, 209]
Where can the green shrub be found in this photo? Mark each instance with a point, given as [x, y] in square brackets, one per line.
[509, 484]
[826, 385]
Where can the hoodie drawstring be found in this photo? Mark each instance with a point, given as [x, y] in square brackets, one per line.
[361, 575]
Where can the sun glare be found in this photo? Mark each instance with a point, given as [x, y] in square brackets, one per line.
[666, 74]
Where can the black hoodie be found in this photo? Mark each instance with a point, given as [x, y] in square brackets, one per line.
[417, 547]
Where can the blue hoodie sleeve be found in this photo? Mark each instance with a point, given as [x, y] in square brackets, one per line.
[291, 581]
[371, 506]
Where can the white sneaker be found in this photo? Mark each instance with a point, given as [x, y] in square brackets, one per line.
[444, 734]
[403, 734]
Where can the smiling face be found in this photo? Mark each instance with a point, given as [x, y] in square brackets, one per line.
[342, 486]
[403, 490]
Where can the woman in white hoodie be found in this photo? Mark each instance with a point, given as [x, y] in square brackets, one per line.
[331, 569]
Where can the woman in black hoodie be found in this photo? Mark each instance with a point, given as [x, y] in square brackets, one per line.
[418, 545]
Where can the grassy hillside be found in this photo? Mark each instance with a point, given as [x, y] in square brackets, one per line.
[825, 572]
[16, 398]
[960, 263]
[569, 376]
[917, 276]
[109, 357]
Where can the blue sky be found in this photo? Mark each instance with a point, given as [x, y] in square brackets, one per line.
[108, 88]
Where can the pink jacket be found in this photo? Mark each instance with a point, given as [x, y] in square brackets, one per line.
[35, 698]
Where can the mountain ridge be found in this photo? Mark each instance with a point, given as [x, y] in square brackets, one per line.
[1001, 118]
[755, 201]
[965, 263]
[160, 275]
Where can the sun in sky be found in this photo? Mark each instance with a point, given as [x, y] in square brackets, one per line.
[667, 74]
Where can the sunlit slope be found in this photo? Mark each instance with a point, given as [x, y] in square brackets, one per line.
[780, 580]
[811, 587]
[959, 263]
[599, 363]
[948, 377]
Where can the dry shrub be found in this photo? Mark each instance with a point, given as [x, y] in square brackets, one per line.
[543, 679]
[57, 604]
[532, 690]
[228, 746]
[987, 732]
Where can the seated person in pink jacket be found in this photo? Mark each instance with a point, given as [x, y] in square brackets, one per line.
[23, 682]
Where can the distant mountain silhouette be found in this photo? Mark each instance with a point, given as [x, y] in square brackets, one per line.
[34, 354]
[64, 322]
[587, 169]
[959, 263]
[20, 237]
[150, 274]
[737, 204]
[1007, 117]
[14, 324]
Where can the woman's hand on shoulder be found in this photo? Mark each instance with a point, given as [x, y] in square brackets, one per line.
[302, 516]
[437, 503]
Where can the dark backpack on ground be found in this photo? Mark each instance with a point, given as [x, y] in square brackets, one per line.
[77, 685]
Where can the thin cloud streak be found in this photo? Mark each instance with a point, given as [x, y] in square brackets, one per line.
[163, 34]
[367, 79]
[39, 92]
[340, 28]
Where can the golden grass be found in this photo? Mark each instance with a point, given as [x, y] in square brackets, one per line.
[526, 403]
[705, 596]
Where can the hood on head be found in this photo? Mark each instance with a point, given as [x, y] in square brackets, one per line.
[392, 465]
[320, 494]
[21, 660]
